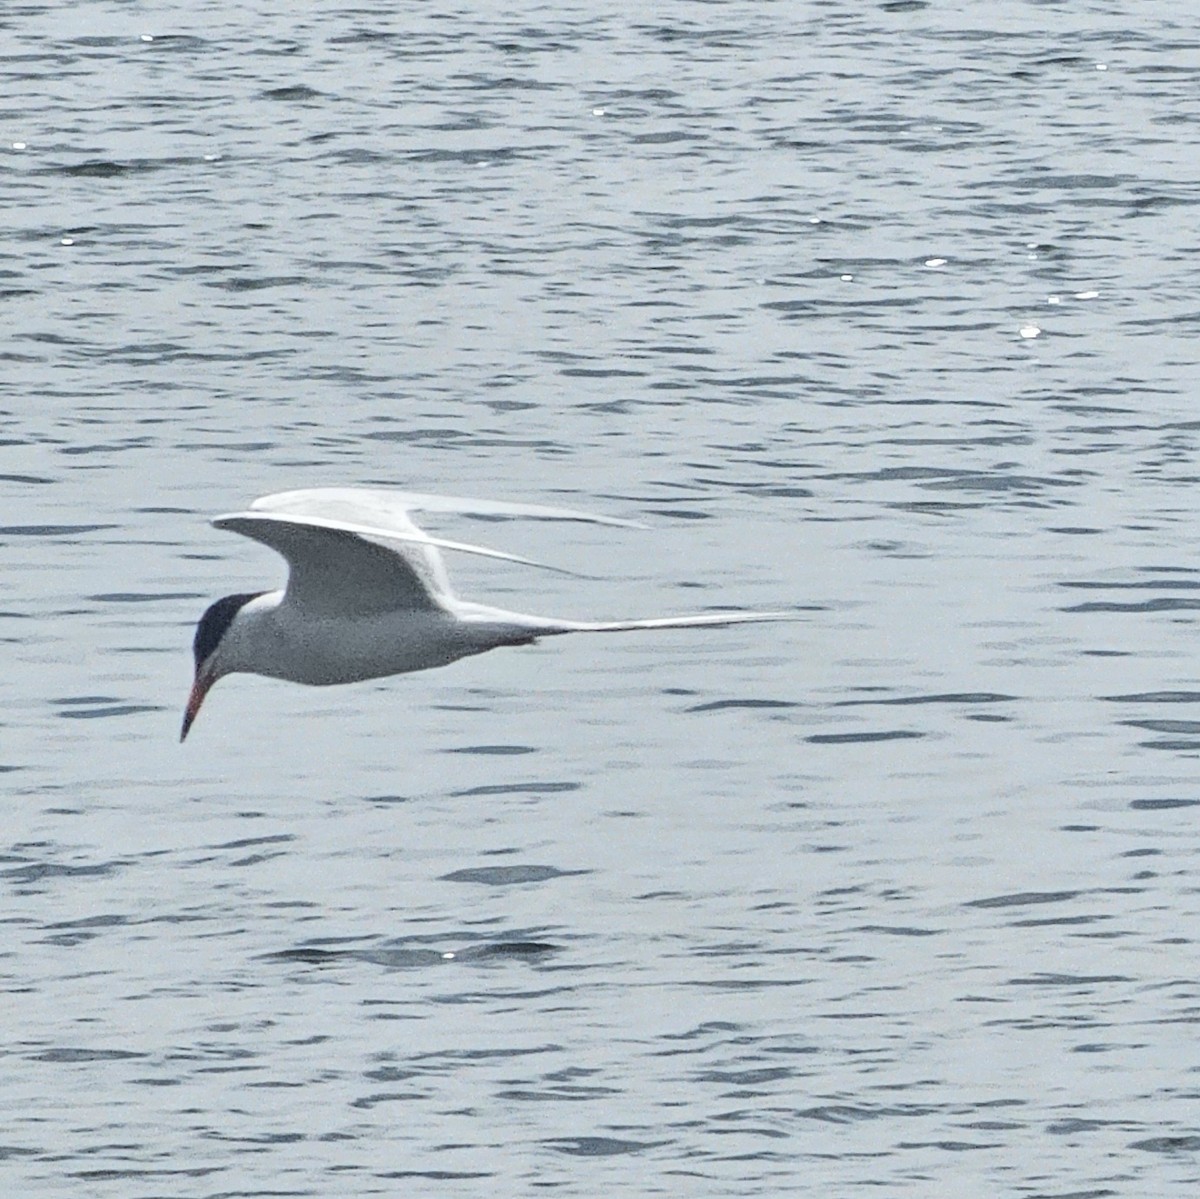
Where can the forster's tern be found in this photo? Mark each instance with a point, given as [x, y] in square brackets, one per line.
[368, 595]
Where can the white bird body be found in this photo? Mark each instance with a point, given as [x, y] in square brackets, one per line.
[368, 594]
[284, 640]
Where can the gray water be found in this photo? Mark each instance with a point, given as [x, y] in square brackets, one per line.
[884, 313]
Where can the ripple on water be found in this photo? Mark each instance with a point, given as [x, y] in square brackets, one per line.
[508, 876]
[595, 1146]
[865, 737]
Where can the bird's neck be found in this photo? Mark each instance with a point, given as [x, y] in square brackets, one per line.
[251, 637]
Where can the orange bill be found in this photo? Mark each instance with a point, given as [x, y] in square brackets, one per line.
[200, 689]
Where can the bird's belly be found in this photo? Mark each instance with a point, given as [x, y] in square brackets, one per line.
[325, 652]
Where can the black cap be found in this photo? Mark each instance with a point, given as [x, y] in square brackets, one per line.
[216, 619]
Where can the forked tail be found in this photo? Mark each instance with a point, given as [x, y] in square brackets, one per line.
[665, 622]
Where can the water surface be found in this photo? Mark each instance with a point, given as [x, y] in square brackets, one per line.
[886, 314]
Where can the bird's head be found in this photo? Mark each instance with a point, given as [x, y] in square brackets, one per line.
[211, 649]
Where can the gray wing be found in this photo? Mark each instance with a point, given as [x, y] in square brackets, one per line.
[336, 569]
[347, 569]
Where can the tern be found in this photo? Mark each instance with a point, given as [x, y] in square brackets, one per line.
[368, 595]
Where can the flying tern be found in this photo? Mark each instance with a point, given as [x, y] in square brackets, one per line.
[368, 595]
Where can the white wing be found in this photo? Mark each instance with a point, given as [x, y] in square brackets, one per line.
[356, 552]
[380, 509]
